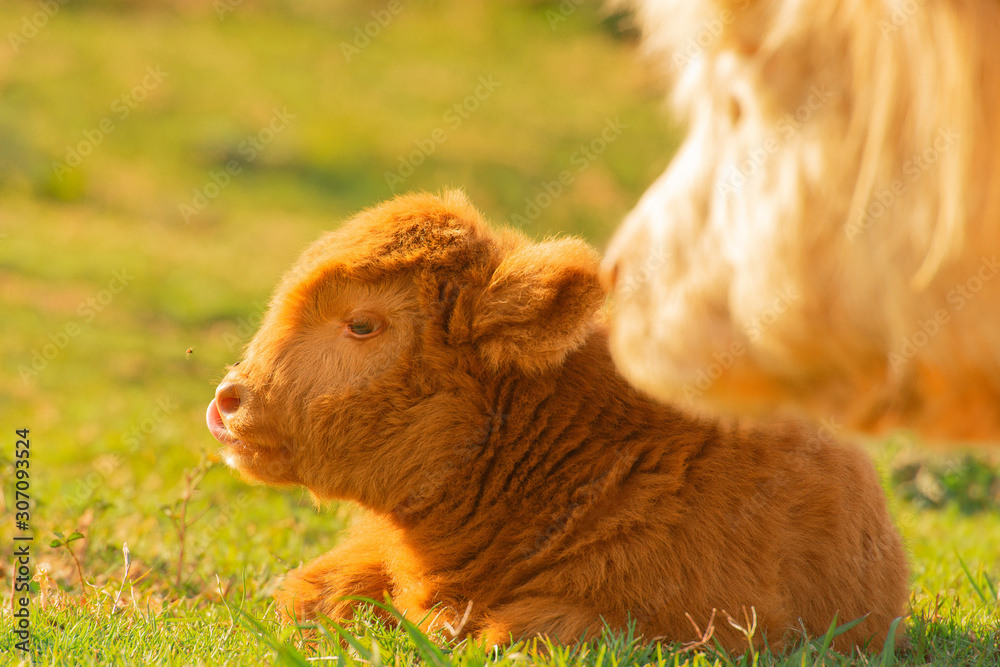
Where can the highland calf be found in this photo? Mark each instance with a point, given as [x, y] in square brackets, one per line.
[455, 382]
[828, 235]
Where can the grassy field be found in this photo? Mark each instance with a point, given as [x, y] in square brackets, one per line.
[161, 164]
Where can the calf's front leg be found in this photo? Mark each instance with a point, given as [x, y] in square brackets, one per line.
[543, 616]
[355, 568]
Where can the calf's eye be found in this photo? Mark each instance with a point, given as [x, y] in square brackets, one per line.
[363, 327]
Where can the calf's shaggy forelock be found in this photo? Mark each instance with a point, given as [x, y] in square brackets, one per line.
[455, 382]
[828, 234]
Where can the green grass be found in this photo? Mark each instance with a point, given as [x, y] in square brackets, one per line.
[117, 413]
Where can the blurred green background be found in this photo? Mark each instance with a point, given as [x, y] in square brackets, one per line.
[162, 163]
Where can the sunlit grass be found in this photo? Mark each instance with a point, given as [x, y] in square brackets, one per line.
[116, 412]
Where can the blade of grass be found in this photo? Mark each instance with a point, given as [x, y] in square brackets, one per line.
[827, 641]
[344, 634]
[287, 654]
[841, 629]
[972, 580]
[992, 586]
[889, 648]
[428, 649]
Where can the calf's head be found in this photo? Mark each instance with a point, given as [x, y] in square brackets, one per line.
[380, 346]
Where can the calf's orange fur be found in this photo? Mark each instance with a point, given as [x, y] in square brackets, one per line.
[455, 382]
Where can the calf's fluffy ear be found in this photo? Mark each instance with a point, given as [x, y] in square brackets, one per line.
[540, 305]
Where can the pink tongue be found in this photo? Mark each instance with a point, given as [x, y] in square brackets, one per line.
[215, 424]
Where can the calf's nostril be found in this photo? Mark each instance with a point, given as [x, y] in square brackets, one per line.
[227, 398]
